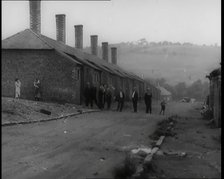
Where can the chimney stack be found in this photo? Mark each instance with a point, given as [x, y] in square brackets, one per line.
[114, 55]
[105, 51]
[79, 36]
[60, 27]
[94, 44]
[35, 17]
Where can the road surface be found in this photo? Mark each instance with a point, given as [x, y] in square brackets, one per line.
[85, 146]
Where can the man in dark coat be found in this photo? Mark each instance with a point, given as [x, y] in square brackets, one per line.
[101, 97]
[37, 93]
[93, 96]
[148, 101]
[108, 97]
[104, 94]
[87, 94]
[120, 99]
[135, 99]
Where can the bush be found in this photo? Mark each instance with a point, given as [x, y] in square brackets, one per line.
[207, 114]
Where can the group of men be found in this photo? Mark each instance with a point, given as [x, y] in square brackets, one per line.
[147, 99]
[105, 96]
[101, 97]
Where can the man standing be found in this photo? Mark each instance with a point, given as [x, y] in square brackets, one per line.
[17, 88]
[104, 94]
[120, 99]
[93, 96]
[148, 101]
[135, 99]
[108, 97]
[37, 93]
[100, 97]
[87, 94]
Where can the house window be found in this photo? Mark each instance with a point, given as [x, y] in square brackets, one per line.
[96, 77]
[76, 73]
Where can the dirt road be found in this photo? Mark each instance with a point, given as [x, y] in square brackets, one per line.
[91, 145]
[84, 146]
[199, 141]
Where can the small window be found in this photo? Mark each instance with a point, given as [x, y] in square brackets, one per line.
[76, 73]
[96, 77]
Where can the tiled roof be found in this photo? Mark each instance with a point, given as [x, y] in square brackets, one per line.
[28, 39]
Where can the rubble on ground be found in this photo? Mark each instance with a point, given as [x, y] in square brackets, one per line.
[141, 150]
[142, 159]
[21, 110]
[165, 128]
[176, 153]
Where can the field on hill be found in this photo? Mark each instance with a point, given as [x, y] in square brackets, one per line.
[175, 63]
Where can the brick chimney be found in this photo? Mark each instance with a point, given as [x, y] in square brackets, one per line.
[105, 51]
[79, 36]
[94, 44]
[114, 55]
[60, 27]
[35, 17]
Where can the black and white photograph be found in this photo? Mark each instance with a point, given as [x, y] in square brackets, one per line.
[111, 89]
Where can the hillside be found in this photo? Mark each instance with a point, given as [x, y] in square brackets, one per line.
[174, 62]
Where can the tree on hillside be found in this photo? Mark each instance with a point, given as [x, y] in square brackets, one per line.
[165, 43]
[177, 43]
[181, 90]
[187, 44]
[198, 90]
[143, 42]
[160, 81]
[170, 89]
[152, 43]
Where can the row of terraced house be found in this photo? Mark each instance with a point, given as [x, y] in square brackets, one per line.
[63, 70]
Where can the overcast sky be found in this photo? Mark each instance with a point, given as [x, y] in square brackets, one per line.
[195, 21]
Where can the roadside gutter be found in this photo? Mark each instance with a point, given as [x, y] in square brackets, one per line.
[49, 119]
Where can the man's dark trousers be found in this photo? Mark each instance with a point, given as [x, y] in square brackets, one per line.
[135, 100]
[135, 105]
[149, 108]
[120, 105]
[87, 101]
[108, 103]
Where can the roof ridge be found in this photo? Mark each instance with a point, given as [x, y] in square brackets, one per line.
[67, 56]
[14, 35]
[39, 37]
